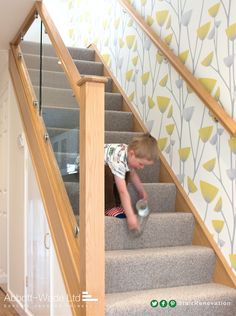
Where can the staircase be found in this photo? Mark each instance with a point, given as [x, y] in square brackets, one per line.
[162, 264]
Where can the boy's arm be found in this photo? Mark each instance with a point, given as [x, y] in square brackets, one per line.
[126, 203]
[134, 178]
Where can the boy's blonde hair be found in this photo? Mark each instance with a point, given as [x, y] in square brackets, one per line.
[144, 146]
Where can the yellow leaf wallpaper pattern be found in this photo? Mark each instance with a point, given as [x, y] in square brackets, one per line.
[208, 59]
[203, 30]
[218, 206]
[161, 17]
[214, 9]
[202, 34]
[218, 225]
[208, 83]
[183, 56]
[191, 185]
[208, 191]
[184, 153]
[163, 103]
[209, 165]
[231, 32]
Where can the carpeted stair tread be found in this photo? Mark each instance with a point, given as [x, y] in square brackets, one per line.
[150, 268]
[70, 118]
[48, 50]
[161, 230]
[51, 64]
[206, 299]
[57, 79]
[161, 196]
[55, 97]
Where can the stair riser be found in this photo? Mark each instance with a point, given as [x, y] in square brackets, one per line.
[158, 270]
[64, 98]
[57, 80]
[48, 50]
[161, 230]
[65, 118]
[163, 202]
[149, 174]
[71, 137]
[51, 64]
[157, 194]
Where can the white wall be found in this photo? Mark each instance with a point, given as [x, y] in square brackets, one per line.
[4, 133]
[16, 200]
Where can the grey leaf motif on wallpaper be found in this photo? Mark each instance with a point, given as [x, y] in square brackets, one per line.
[221, 242]
[212, 33]
[217, 23]
[168, 148]
[229, 60]
[214, 139]
[142, 99]
[186, 18]
[149, 125]
[120, 62]
[220, 131]
[179, 83]
[231, 173]
[188, 113]
[147, 43]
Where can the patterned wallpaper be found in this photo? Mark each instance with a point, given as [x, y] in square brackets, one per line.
[202, 33]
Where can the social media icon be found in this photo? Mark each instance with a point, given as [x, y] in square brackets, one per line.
[154, 303]
[172, 303]
[163, 303]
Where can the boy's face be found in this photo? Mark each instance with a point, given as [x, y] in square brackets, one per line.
[137, 163]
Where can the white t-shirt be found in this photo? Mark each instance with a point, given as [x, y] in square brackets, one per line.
[116, 157]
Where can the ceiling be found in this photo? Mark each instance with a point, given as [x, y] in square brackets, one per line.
[12, 15]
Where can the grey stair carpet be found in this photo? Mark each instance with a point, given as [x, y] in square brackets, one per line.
[161, 196]
[69, 118]
[207, 299]
[161, 264]
[54, 97]
[57, 79]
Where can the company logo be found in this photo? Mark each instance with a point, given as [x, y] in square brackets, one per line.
[88, 298]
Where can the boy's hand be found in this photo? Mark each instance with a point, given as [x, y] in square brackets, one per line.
[143, 195]
[132, 222]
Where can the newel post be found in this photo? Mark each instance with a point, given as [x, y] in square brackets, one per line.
[92, 245]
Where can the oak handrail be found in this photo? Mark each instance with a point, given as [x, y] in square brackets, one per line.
[214, 107]
[81, 259]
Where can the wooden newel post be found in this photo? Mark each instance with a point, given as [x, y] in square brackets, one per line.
[92, 245]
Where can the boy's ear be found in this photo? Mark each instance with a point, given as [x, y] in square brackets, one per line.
[131, 152]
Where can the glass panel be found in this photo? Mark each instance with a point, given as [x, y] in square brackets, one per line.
[30, 47]
[59, 108]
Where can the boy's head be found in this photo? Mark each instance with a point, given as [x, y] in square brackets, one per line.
[142, 151]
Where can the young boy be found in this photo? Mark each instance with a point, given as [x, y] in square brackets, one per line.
[122, 159]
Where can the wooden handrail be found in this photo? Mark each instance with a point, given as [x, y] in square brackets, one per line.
[214, 107]
[82, 259]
